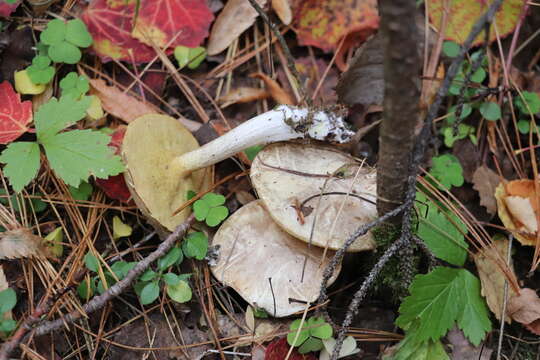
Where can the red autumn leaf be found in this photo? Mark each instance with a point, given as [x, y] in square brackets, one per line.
[278, 349]
[184, 22]
[6, 9]
[115, 186]
[14, 114]
[325, 23]
[463, 14]
[110, 23]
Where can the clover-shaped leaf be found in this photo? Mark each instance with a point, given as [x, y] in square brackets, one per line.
[55, 33]
[447, 170]
[40, 72]
[74, 85]
[64, 40]
[210, 209]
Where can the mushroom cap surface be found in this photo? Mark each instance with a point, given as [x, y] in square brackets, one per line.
[151, 142]
[290, 179]
[254, 249]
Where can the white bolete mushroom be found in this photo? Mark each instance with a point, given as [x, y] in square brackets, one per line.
[302, 185]
[264, 264]
[162, 157]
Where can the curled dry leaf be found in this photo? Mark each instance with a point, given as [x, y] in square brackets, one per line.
[525, 309]
[283, 10]
[264, 264]
[235, 18]
[517, 206]
[277, 92]
[20, 244]
[485, 181]
[290, 178]
[242, 94]
[491, 276]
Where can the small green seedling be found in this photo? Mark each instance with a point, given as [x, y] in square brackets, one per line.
[450, 49]
[210, 209]
[528, 104]
[195, 245]
[74, 85]
[54, 240]
[34, 203]
[8, 300]
[447, 170]
[490, 111]
[41, 71]
[82, 193]
[192, 57]
[63, 40]
[310, 336]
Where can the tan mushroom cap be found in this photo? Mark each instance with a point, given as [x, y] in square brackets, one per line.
[287, 174]
[151, 143]
[254, 249]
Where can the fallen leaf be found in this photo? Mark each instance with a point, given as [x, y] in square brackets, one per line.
[21, 243]
[278, 349]
[235, 18]
[325, 23]
[463, 14]
[242, 94]
[525, 309]
[276, 91]
[171, 23]
[120, 229]
[462, 349]
[522, 211]
[283, 10]
[6, 9]
[491, 276]
[110, 24]
[14, 114]
[485, 181]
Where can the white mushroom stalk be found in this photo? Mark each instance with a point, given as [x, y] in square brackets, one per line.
[283, 123]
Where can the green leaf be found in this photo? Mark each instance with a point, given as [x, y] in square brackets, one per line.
[192, 57]
[55, 115]
[120, 229]
[441, 235]
[319, 328]
[83, 192]
[22, 163]
[474, 319]
[490, 111]
[302, 336]
[213, 200]
[86, 288]
[121, 268]
[447, 170]
[170, 258]
[34, 203]
[171, 279]
[466, 110]
[210, 208]
[532, 101]
[450, 138]
[180, 292]
[410, 349]
[450, 49]
[195, 245]
[74, 85]
[524, 126]
[55, 33]
[109, 279]
[7, 325]
[251, 152]
[77, 33]
[435, 301]
[311, 344]
[479, 76]
[65, 52]
[75, 155]
[8, 300]
[148, 275]
[91, 262]
[54, 242]
[150, 293]
[40, 72]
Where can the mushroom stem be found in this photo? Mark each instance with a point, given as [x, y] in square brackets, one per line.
[283, 123]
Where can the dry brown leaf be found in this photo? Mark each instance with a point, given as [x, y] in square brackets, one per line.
[491, 276]
[525, 308]
[237, 16]
[242, 94]
[522, 210]
[462, 349]
[277, 92]
[485, 181]
[283, 10]
[21, 243]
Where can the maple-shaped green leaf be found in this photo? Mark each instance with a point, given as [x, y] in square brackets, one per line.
[474, 319]
[56, 115]
[441, 298]
[22, 163]
[75, 155]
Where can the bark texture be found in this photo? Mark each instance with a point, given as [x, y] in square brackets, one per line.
[401, 101]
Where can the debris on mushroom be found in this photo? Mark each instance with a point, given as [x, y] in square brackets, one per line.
[264, 264]
[302, 185]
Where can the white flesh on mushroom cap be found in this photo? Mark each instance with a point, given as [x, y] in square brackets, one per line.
[254, 249]
[285, 175]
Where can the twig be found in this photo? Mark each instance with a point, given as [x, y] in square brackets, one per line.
[417, 156]
[98, 301]
[503, 310]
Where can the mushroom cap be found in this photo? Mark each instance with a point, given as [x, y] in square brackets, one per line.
[290, 177]
[150, 144]
[254, 249]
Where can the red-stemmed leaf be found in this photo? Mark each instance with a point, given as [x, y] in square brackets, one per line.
[14, 114]
[115, 186]
[278, 349]
[184, 22]
[110, 23]
[6, 9]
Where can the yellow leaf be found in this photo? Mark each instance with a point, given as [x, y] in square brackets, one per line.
[120, 229]
[95, 111]
[25, 86]
[54, 242]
